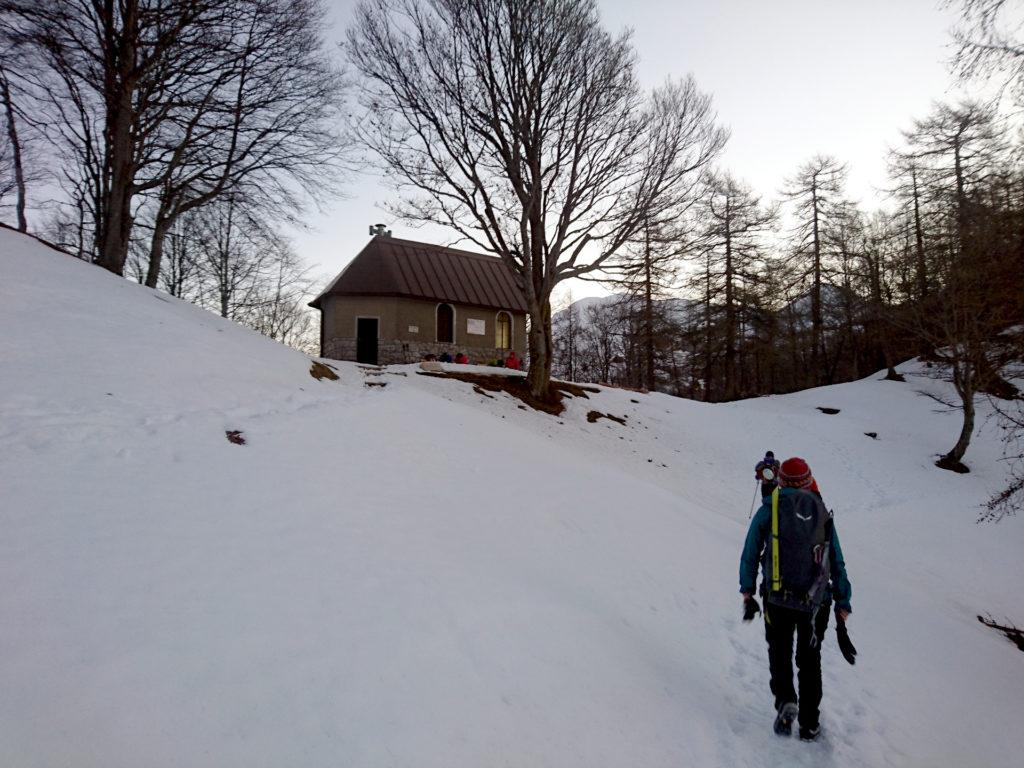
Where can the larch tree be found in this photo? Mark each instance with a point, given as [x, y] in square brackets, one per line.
[881, 250]
[989, 47]
[521, 126]
[988, 44]
[730, 244]
[960, 149]
[816, 196]
[955, 147]
[646, 271]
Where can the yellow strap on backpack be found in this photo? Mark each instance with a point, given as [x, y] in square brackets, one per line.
[776, 579]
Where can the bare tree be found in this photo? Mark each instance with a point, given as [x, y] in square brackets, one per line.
[959, 149]
[14, 144]
[908, 191]
[645, 271]
[1011, 497]
[181, 275]
[261, 118]
[109, 77]
[602, 339]
[565, 335]
[731, 248]
[520, 125]
[987, 44]
[175, 102]
[280, 309]
[233, 256]
[816, 192]
[880, 251]
[989, 47]
[956, 147]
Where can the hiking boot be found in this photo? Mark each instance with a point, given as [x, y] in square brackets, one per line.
[784, 720]
[809, 734]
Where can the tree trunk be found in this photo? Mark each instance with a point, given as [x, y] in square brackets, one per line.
[707, 339]
[648, 315]
[116, 230]
[922, 267]
[961, 199]
[963, 380]
[539, 376]
[879, 320]
[120, 54]
[964, 441]
[571, 367]
[156, 249]
[730, 312]
[816, 321]
[12, 135]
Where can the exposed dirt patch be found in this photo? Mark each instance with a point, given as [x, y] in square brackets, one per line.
[593, 416]
[518, 387]
[375, 383]
[1013, 634]
[872, 435]
[321, 371]
[829, 411]
[479, 391]
[234, 436]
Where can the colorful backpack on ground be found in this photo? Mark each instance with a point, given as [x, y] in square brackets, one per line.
[796, 560]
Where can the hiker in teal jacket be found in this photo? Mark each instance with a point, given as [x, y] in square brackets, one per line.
[786, 613]
[757, 536]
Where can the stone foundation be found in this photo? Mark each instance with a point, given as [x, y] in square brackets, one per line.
[402, 352]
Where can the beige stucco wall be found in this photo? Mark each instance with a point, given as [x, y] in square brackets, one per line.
[340, 313]
[398, 316]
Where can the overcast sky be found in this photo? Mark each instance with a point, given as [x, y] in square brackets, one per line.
[790, 78]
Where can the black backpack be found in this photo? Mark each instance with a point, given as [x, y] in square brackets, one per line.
[796, 560]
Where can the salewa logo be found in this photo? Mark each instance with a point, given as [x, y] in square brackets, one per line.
[807, 518]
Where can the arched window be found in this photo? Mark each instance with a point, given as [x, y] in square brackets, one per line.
[503, 331]
[445, 323]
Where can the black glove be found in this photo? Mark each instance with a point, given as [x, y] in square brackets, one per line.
[845, 646]
[750, 609]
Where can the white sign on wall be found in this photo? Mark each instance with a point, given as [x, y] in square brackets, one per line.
[414, 329]
[476, 327]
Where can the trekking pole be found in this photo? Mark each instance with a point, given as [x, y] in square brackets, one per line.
[753, 500]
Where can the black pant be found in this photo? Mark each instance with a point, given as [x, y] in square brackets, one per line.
[779, 625]
[767, 486]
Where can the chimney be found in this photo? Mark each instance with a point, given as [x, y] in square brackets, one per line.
[378, 230]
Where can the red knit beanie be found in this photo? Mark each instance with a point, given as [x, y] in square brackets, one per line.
[795, 473]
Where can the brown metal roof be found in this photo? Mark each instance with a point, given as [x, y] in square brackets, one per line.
[388, 266]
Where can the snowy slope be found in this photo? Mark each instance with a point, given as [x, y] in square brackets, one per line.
[418, 575]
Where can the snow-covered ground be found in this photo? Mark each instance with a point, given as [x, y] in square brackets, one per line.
[419, 575]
